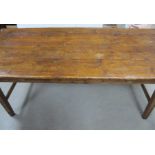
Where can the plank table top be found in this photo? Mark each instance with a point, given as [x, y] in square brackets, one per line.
[77, 55]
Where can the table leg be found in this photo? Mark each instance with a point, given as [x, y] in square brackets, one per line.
[150, 106]
[4, 100]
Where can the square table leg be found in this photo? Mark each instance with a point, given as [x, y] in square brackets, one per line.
[4, 100]
[5, 103]
[150, 106]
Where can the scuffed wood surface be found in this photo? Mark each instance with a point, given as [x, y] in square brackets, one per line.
[77, 55]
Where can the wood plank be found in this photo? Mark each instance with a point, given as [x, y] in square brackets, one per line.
[77, 55]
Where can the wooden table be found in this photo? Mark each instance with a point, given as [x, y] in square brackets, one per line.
[77, 55]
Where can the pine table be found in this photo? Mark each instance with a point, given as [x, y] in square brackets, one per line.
[77, 55]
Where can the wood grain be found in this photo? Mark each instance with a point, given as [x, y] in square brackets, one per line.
[80, 55]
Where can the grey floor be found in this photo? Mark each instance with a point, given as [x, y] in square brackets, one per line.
[70, 106]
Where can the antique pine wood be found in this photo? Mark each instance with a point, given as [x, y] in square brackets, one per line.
[79, 55]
